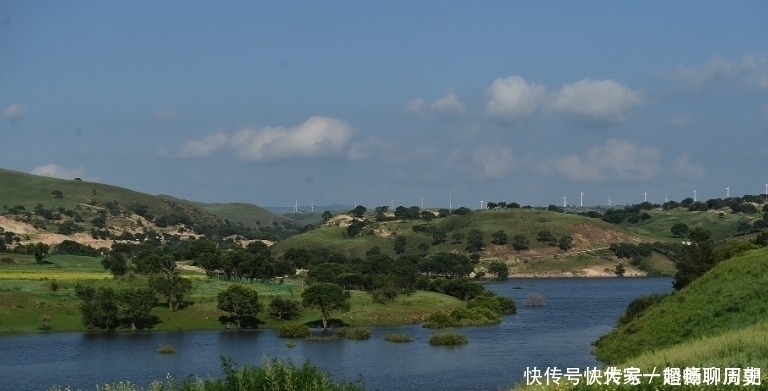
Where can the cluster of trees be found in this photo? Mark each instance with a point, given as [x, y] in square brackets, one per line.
[108, 308]
[564, 243]
[484, 308]
[633, 214]
[743, 204]
[502, 205]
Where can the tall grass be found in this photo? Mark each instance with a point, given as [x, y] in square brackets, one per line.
[447, 339]
[397, 337]
[273, 375]
[353, 333]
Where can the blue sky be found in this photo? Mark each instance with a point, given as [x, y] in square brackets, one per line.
[365, 102]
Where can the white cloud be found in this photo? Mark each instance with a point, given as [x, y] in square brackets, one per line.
[316, 137]
[165, 113]
[513, 99]
[614, 160]
[680, 121]
[496, 161]
[55, 171]
[683, 168]
[13, 112]
[602, 102]
[415, 106]
[204, 147]
[449, 105]
[753, 71]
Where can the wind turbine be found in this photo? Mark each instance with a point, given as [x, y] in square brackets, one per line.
[565, 204]
[727, 192]
[450, 200]
[313, 206]
[665, 198]
[481, 204]
[766, 189]
[609, 201]
[694, 196]
[581, 199]
[422, 202]
[645, 197]
[392, 204]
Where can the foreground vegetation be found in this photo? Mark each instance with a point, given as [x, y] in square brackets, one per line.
[273, 375]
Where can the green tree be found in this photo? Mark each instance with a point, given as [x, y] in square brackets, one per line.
[457, 237]
[679, 230]
[327, 215]
[327, 298]
[499, 238]
[99, 307]
[698, 260]
[283, 308]
[355, 227]
[136, 305]
[520, 242]
[546, 237]
[116, 263]
[41, 251]
[173, 287]
[57, 194]
[565, 243]
[359, 211]
[475, 241]
[423, 247]
[239, 302]
[500, 269]
[620, 270]
[400, 242]
[438, 237]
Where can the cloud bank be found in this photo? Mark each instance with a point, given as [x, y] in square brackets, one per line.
[614, 160]
[316, 137]
[13, 112]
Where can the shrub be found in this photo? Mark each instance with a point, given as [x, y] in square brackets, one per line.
[166, 349]
[293, 331]
[447, 339]
[506, 305]
[535, 299]
[439, 320]
[639, 305]
[396, 337]
[353, 333]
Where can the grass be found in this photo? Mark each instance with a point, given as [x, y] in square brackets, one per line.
[166, 349]
[24, 286]
[729, 297]
[293, 331]
[662, 220]
[595, 232]
[398, 337]
[236, 212]
[272, 375]
[357, 333]
[448, 339]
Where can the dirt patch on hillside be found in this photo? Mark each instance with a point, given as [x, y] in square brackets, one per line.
[16, 227]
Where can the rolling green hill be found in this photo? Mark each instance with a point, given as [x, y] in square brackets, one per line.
[30, 190]
[731, 296]
[238, 212]
[587, 233]
[722, 226]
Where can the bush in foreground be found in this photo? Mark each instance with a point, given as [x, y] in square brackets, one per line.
[396, 337]
[293, 331]
[353, 333]
[447, 339]
[272, 375]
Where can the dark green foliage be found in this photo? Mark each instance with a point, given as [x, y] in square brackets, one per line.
[41, 251]
[639, 305]
[500, 269]
[283, 308]
[348, 333]
[699, 259]
[448, 339]
[679, 230]
[99, 307]
[499, 238]
[475, 241]
[173, 287]
[327, 298]
[355, 227]
[399, 338]
[384, 295]
[70, 247]
[520, 242]
[439, 237]
[293, 331]
[565, 243]
[57, 194]
[327, 215]
[239, 302]
[506, 305]
[116, 263]
[446, 264]
[546, 237]
[400, 242]
[461, 211]
[359, 211]
[460, 288]
[631, 250]
[136, 305]
[457, 237]
[620, 270]
[439, 320]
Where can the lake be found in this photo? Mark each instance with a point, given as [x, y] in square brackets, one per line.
[577, 312]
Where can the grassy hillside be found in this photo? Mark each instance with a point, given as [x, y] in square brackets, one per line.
[662, 220]
[587, 233]
[29, 190]
[731, 296]
[238, 212]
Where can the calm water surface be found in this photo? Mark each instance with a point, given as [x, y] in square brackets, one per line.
[558, 334]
